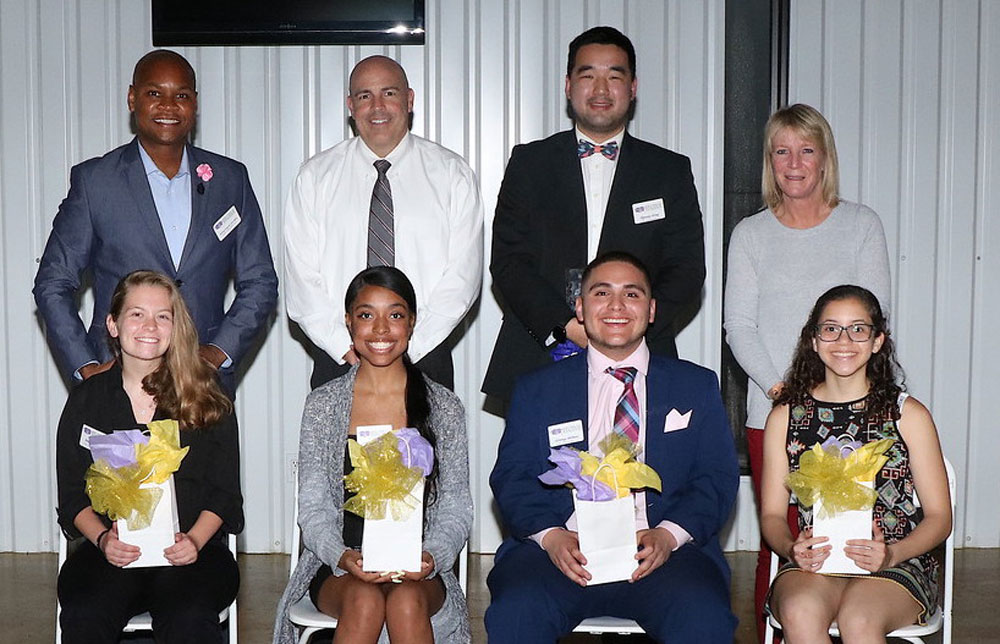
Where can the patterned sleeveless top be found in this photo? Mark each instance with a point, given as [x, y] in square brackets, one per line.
[894, 511]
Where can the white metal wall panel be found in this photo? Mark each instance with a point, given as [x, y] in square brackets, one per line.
[490, 76]
[911, 90]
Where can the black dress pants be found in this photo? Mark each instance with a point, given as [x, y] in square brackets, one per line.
[98, 599]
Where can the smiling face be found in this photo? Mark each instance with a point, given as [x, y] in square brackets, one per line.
[600, 89]
[380, 103]
[380, 324]
[797, 163]
[145, 325]
[163, 99]
[615, 308]
[845, 358]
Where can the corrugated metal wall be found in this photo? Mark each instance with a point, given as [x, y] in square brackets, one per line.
[912, 90]
[490, 76]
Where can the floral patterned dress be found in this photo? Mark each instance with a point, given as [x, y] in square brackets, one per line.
[896, 514]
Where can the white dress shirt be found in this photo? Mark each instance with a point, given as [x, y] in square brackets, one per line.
[598, 175]
[438, 221]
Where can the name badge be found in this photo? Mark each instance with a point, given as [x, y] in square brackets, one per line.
[85, 433]
[368, 433]
[565, 433]
[647, 211]
[227, 223]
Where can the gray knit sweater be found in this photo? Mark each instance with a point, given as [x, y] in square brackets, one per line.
[775, 276]
[325, 422]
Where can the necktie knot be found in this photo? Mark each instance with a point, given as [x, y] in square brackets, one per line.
[625, 374]
[382, 166]
[585, 149]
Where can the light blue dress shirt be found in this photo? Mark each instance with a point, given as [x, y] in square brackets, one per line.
[173, 202]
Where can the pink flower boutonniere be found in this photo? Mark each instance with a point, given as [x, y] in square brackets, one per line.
[204, 172]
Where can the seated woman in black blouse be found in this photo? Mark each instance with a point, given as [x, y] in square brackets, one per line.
[157, 375]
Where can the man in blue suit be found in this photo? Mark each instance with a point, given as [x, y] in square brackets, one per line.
[162, 204]
[679, 591]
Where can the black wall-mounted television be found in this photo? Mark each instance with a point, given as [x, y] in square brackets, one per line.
[288, 22]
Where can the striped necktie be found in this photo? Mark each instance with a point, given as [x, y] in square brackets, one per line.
[627, 412]
[381, 238]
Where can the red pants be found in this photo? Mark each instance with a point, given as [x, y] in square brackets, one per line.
[755, 448]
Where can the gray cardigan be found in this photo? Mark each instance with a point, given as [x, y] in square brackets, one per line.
[775, 276]
[325, 422]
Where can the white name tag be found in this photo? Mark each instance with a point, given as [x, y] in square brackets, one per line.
[565, 433]
[368, 433]
[647, 211]
[227, 222]
[85, 433]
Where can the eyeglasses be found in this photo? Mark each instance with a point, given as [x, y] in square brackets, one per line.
[856, 332]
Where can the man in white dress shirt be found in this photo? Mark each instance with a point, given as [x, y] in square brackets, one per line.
[390, 197]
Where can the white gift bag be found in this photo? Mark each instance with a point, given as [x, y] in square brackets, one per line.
[387, 544]
[159, 534]
[395, 545]
[606, 530]
[851, 524]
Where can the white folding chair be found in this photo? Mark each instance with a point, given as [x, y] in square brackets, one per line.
[939, 619]
[143, 621]
[304, 613]
[616, 625]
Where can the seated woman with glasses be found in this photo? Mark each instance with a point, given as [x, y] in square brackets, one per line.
[383, 388]
[843, 385]
[157, 374]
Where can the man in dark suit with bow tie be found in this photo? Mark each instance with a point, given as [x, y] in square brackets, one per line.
[161, 204]
[580, 193]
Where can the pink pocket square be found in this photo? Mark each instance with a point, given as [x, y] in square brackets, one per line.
[677, 421]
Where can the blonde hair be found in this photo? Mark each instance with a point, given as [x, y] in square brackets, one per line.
[809, 124]
[184, 385]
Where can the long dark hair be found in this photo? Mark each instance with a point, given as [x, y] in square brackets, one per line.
[184, 385]
[883, 371]
[418, 407]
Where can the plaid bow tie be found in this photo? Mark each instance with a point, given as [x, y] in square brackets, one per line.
[585, 148]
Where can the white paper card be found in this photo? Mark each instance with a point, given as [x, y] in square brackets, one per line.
[607, 538]
[647, 211]
[852, 524]
[85, 433]
[159, 534]
[565, 433]
[368, 433]
[395, 545]
[226, 223]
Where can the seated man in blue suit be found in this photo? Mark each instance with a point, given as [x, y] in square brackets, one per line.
[680, 589]
[161, 204]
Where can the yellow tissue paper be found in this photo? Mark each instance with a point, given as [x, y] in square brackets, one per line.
[624, 472]
[116, 492]
[382, 484]
[825, 475]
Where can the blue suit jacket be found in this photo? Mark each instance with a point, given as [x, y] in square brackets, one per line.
[108, 225]
[697, 465]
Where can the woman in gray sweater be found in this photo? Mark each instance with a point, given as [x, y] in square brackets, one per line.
[781, 259]
[384, 388]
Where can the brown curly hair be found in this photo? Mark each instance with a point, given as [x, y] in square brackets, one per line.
[184, 385]
[808, 371]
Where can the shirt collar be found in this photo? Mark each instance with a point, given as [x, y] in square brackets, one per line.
[150, 166]
[393, 157]
[598, 363]
[618, 138]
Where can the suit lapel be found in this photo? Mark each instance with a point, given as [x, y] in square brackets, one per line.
[567, 172]
[138, 186]
[199, 200]
[658, 387]
[617, 214]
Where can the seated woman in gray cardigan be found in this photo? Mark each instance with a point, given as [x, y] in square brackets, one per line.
[383, 388]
